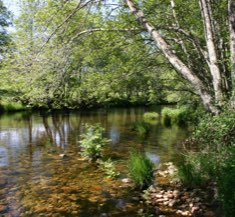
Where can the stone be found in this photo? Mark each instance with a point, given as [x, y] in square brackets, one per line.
[170, 196]
[126, 180]
[103, 215]
[179, 212]
[176, 193]
[185, 213]
[158, 195]
[172, 203]
[194, 209]
[160, 200]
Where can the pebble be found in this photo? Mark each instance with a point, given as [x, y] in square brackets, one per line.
[126, 180]
[158, 195]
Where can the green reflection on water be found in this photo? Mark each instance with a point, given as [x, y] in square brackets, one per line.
[42, 173]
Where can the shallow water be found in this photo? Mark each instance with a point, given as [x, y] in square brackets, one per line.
[43, 174]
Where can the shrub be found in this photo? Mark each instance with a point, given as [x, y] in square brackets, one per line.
[141, 170]
[215, 159]
[195, 169]
[150, 115]
[92, 142]
[141, 127]
[226, 183]
[109, 168]
[12, 106]
[179, 116]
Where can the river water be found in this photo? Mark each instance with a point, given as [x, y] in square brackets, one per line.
[43, 174]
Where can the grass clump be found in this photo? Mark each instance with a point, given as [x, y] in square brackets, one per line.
[195, 169]
[179, 116]
[141, 170]
[215, 159]
[92, 142]
[141, 128]
[150, 115]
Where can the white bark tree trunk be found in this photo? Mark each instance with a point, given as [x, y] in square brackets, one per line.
[212, 54]
[184, 70]
[231, 14]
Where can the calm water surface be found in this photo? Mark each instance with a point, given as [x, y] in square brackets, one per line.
[35, 180]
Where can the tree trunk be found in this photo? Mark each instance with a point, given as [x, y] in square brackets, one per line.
[180, 67]
[231, 14]
[213, 60]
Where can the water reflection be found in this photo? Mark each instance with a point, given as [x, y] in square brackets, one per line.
[36, 181]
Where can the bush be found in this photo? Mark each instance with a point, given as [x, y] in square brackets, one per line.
[195, 169]
[179, 116]
[141, 170]
[141, 127]
[216, 132]
[226, 183]
[92, 142]
[215, 159]
[151, 115]
[12, 106]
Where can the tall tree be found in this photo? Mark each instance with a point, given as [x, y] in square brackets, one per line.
[4, 23]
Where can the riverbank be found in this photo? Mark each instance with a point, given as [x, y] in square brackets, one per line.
[170, 198]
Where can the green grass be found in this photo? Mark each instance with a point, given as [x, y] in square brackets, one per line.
[140, 127]
[215, 159]
[140, 170]
[151, 115]
[178, 116]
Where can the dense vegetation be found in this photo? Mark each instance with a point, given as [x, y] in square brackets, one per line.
[79, 54]
[213, 161]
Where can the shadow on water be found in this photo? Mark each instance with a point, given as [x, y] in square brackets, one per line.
[42, 173]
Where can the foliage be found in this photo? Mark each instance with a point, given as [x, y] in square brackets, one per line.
[215, 132]
[11, 106]
[92, 141]
[140, 169]
[140, 127]
[4, 22]
[150, 115]
[179, 116]
[195, 169]
[215, 159]
[226, 182]
[107, 68]
[109, 168]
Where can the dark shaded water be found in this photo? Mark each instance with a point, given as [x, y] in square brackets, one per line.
[36, 179]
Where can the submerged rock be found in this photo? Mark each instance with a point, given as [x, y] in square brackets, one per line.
[126, 180]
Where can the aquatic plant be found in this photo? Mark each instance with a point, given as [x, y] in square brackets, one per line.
[150, 115]
[109, 168]
[141, 170]
[141, 127]
[92, 142]
[179, 116]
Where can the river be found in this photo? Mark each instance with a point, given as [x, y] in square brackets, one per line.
[43, 174]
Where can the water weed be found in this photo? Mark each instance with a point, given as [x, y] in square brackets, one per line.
[141, 170]
[93, 142]
[108, 167]
[141, 128]
[178, 116]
